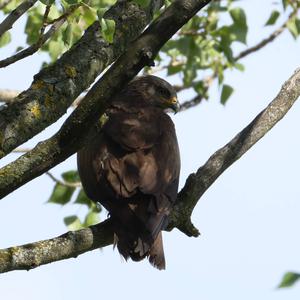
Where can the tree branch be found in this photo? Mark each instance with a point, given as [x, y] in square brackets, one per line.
[55, 87]
[56, 24]
[34, 47]
[74, 131]
[197, 183]
[208, 80]
[15, 15]
[267, 40]
[9, 96]
[64, 183]
[72, 244]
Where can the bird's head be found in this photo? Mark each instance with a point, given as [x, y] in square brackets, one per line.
[156, 91]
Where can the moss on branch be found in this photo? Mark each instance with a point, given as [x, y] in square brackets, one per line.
[72, 135]
[54, 88]
[72, 244]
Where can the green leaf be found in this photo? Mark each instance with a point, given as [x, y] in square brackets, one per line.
[61, 194]
[67, 35]
[297, 23]
[108, 29]
[239, 66]
[100, 13]
[273, 18]
[289, 279]
[33, 24]
[190, 73]
[227, 91]
[92, 218]
[201, 89]
[47, 2]
[174, 69]
[89, 15]
[10, 6]
[238, 16]
[293, 26]
[71, 176]
[238, 30]
[55, 49]
[82, 198]
[238, 33]
[5, 39]
[73, 222]
[285, 3]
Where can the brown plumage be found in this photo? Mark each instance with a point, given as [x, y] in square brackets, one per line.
[132, 167]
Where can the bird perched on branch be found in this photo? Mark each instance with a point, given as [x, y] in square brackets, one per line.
[132, 167]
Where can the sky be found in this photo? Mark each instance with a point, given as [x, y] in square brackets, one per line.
[249, 219]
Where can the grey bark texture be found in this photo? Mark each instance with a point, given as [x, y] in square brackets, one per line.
[74, 131]
[55, 88]
[72, 244]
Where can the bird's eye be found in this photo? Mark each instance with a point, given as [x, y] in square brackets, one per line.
[165, 93]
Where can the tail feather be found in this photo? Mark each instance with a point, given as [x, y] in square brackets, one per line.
[138, 232]
[156, 254]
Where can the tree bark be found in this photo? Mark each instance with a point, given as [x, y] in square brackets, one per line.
[72, 244]
[54, 88]
[74, 131]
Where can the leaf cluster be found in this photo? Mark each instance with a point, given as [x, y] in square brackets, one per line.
[65, 191]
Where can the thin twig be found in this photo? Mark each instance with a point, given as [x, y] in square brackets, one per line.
[33, 48]
[45, 18]
[56, 24]
[198, 98]
[267, 40]
[65, 15]
[207, 82]
[15, 15]
[78, 127]
[56, 180]
[63, 182]
[74, 243]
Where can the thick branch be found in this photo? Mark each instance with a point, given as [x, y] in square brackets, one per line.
[55, 87]
[74, 131]
[9, 96]
[15, 15]
[72, 244]
[197, 183]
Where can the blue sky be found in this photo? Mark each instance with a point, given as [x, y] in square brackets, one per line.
[249, 219]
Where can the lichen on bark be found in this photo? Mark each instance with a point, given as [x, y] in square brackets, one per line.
[73, 73]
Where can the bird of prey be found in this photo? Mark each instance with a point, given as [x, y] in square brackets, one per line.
[132, 167]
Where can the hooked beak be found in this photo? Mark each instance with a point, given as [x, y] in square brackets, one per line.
[174, 104]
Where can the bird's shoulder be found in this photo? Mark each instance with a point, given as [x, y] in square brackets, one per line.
[135, 129]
